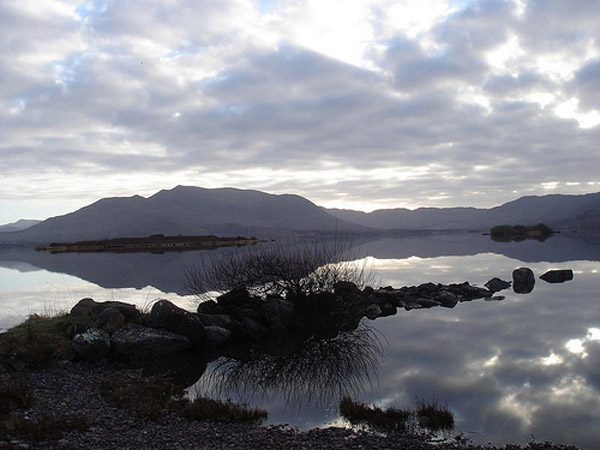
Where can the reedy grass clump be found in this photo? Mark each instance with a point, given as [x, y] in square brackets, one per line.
[152, 397]
[428, 415]
[15, 394]
[46, 429]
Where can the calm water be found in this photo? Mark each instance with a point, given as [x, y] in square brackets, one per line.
[526, 365]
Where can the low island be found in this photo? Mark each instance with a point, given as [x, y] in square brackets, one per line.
[507, 233]
[156, 242]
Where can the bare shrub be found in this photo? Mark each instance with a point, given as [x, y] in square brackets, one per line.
[296, 268]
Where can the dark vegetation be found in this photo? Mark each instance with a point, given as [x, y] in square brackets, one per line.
[16, 396]
[507, 233]
[427, 415]
[41, 339]
[153, 397]
[293, 269]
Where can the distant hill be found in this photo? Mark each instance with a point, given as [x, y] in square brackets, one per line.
[560, 211]
[230, 212]
[19, 225]
[187, 211]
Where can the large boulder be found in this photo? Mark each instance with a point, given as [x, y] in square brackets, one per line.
[92, 344]
[557, 276]
[278, 311]
[446, 298]
[137, 342]
[166, 316]
[110, 320]
[523, 280]
[219, 320]
[92, 309]
[234, 299]
[373, 311]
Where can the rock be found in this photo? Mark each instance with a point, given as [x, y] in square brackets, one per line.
[346, 289]
[427, 303]
[373, 311]
[209, 307]
[557, 276]
[466, 292]
[388, 309]
[216, 336]
[93, 344]
[219, 320]
[496, 284]
[110, 320]
[234, 299]
[277, 310]
[253, 329]
[446, 298]
[137, 342]
[92, 308]
[166, 316]
[523, 280]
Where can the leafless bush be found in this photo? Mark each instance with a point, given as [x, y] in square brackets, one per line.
[298, 268]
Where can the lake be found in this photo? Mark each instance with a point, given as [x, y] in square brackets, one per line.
[512, 369]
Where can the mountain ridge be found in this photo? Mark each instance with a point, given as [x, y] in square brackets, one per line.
[191, 210]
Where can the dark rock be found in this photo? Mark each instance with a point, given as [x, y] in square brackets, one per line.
[253, 329]
[209, 307]
[388, 309]
[557, 276]
[373, 311]
[346, 289]
[523, 280]
[92, 308]
[496, 284]
[165, 315]
[427, 303]
[234, 299]
[466, 292]
[219, 320]
[110, 320]
[277, 310]
[216, 336]
[446, 298]
[137, 342]
[92, 344]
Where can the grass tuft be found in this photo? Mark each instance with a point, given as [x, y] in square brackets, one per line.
[16, 394]
[46, 429]
[42, 339]
[357, 413]
[428, 415]
[434, 416]
[152, 397]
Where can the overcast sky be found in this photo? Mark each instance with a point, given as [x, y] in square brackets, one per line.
[363, 104]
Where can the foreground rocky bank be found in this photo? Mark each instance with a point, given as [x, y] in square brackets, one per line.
[75, 390]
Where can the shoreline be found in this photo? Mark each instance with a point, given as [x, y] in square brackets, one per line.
[68, 388]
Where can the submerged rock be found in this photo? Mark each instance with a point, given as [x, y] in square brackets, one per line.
[523, 280]
[557, 276]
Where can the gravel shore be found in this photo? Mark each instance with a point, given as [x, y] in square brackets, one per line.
[74, 389]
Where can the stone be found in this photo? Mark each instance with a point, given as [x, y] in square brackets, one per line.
[277, 310]
[446, 298]
[92, 308]
[388, 309]
[496, 284]
[234, 299]
[110, 319]
[523, 280]
[166, 316]
[137, 342]
[253, 329]
[427, 303]
[209, 307]
[92, 344]
[557, 276]
[219, 320]
[373, 311]
[217, 336]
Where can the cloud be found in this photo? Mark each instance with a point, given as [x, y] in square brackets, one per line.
[475, 104]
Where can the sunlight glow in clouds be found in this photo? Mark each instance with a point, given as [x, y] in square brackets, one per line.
[348, 104]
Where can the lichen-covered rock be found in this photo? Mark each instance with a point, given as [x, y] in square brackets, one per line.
[92, 344]
[137, 342]
[110, 320]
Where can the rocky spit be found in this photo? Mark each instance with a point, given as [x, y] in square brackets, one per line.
[74, 389]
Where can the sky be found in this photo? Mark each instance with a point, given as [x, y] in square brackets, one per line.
[364, 105]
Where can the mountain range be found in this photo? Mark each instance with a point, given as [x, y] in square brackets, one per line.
[190, 210]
